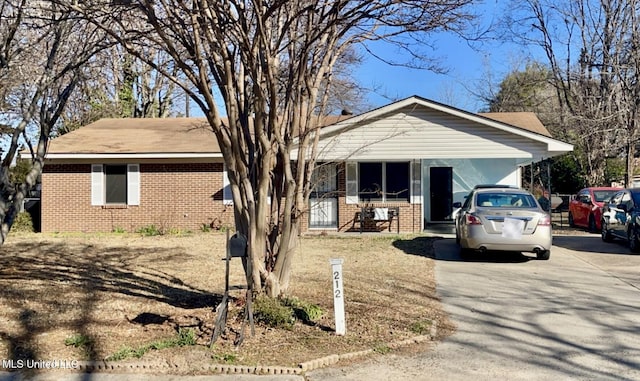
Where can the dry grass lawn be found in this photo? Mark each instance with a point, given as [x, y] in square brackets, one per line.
[120, 290]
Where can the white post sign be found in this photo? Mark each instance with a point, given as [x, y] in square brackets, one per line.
[338, 296]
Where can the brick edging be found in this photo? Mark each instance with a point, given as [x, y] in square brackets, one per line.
[93, 366]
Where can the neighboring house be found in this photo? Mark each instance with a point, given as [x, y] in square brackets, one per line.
[399, 167]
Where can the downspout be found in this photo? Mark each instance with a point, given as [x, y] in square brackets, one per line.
[531, 182]
[549, 181]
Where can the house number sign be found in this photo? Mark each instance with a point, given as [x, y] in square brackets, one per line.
[338, 296]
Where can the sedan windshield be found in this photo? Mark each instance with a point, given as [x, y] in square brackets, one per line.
[506, 200]
[602, 195]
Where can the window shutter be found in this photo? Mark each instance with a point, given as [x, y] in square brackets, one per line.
[416, 182]
[227, 196]
[133, 184]
[352, 182]
[97, 185]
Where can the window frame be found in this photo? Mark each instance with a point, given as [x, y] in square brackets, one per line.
[122, 172]
[384, 180]
[99, 185]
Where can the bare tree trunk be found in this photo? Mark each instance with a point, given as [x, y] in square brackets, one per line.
[43, 49]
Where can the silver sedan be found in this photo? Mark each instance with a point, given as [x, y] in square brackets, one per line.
[505, 219]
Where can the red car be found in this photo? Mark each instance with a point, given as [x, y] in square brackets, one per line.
[585, 209]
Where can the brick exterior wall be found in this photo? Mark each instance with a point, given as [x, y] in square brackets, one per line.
[409, 215]
[179, 196]
[172, 196]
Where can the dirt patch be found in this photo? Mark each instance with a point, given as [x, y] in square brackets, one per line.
[126, 290]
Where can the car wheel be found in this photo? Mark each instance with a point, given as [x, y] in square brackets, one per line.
[592, 224]
[571, 223]
[634, 245]
[605, 234]
[544, 255]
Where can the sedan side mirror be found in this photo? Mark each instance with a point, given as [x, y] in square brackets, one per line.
[457, 205]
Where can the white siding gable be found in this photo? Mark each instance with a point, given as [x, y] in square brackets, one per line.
[414, 133]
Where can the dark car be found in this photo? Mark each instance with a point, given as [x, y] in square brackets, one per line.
[621, 218]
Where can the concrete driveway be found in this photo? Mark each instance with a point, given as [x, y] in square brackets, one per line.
[574, 317]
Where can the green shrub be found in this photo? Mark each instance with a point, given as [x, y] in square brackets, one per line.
[227, 358]
[118, 230]
[149, 230]
[307, 312]
[273, 313]
[23, 223]
[185, 337]
[179, 232]
[78, 341]
[123, 354]
[82, 342]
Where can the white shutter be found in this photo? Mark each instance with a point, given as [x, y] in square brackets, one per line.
[133, 184]
[227, 196]
[352, 182]
[97, 184]
[416, 182]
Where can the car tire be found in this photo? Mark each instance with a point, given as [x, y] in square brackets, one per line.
[634, 245]
[604, 233]
[571, 223]
[592, 224]
[544, 255]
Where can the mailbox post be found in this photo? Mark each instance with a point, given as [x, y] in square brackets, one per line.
[338, 296]
[236, 248]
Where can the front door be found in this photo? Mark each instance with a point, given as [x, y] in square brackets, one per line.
[441, 197]
[323, 202]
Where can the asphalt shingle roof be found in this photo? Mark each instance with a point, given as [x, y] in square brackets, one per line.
[192, 135]
[132, 135]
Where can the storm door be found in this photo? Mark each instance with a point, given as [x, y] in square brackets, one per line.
[323, 202]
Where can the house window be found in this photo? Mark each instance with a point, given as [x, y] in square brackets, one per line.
[370, 181]
[397, 181]
[115, 184]
[384, 181]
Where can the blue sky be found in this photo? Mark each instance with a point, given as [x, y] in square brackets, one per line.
[468, 69]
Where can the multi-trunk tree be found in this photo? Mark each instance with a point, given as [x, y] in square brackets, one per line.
[592, 50]
[43, 52]
[262, 73]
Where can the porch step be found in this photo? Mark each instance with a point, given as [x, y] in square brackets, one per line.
[443, 228]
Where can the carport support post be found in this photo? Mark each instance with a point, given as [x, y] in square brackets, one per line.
[338, 296]
[549, 182]
[531, 183]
